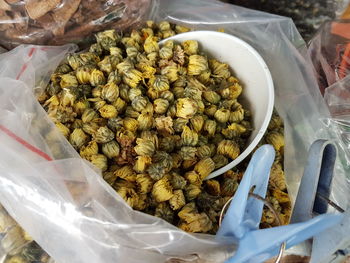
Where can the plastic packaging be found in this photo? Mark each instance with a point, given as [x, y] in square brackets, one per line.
[57, 22]
[81, 218]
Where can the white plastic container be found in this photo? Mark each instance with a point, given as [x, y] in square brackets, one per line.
[249, 67]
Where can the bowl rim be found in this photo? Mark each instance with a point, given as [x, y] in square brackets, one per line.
[270, 88]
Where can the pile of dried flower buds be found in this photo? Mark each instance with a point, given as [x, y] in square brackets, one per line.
[157, 120]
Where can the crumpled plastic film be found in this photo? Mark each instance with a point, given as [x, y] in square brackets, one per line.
[81, 218]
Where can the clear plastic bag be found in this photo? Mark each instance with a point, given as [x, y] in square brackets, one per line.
[58, 22]
[81, 218]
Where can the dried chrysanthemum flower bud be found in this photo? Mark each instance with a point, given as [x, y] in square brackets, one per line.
[178, 200]
[193, 177]
[90, 127]
[189, 137]
[89, 58]
[144, 147]
[235, 129]
[275, 122]
[177, 160]
[204, 167]
[103, 135]
[107, 38]
[222, 115]
[131, 52]
[165, 52]
[90, 149]
[164, 25]
[124, 66]
[115, 123]
[108, 111]
[171, 72]
[197, 122]
[204, 151]
[126, 172]
[186, 108]
[160, 106]
[164, 159]
[159, 83]
[80, 106]
[78, 138]
[97, 78]
[229, 149]
[142, 203]
[120, 105]
[209, 127]
[188, 153]
[114, 77]
[150, 135]
[177, 181]
[276, 139]
[213, 187]
[163, 211]
[228, 187]
[219, 70]
[74, 61]
[100, 161]
[202, 140]
[210, 110]
[150, 45]
[179, 124]
[179, 92]
[96, 48]
[111, 149]
[197, 64]
[211, 96]
[129, 195]
[153, 56]
[130, 112]
[193, 93]
[167, 144]
[68, 81]
[96, 92]
[77, 124]
[219, 161]
[83, 74]
[145, 121]
[164, 125]
[192, 191]
[130, 124]
[168, 95]
[97, 103]
[139, 103]
[181, 29]
[162, 190]
[141, 163]
[171, 112]
[237, 115]
[277, 178]
[105, 65]
[200, 223]
[63, 129]
[190, 47]
[144, 183]
[133, 93]
[110, 92]
[157, 170]
[132, 77]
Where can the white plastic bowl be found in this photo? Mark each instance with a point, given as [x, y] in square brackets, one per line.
[251, 70]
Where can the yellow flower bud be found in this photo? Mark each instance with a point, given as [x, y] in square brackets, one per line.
[222, 115]
[74, 61]
[63, 129]
[204, 151]
[192, 191]
[90, 127]
[210, 110]
[129, 195]
[160, 106]
[142, 163]
[110, 92]
[166, 52]
[204, 167]
[168, 95]
[115, 124]
[133, 93]
[213, 187]
[126, 172]
[229, 149]
[193, 177]
[197, 64]
[178, 200]
[130, 124]
[145, 121]
[139, 103]
[90, 149]
[197, 122]
[108, 111]
[120, 105]
[83, 74]
[80, 106]
[111, 149]
[68, 81]
[103, 135]
[186, 108]
[220, 161]
[162, 190]
[181, 29]
[276, 139]
[237, 115]
[130, 112]
[132, 77]
[144, 183]
[209, 127]
[144, 147]
[171, 72]
[211, 96]
[100, 161]
[220, 70]
[97, 78]
[78, 138]
[190, 47]
[159, 83]
[151, 44]
[189, 137]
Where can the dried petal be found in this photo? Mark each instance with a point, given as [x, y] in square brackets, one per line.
[100, 161]
[111, 149]
[162, 190]
[178, 200]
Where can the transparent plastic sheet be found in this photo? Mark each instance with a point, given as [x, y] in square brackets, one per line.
[81, 218]
[58, 22]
